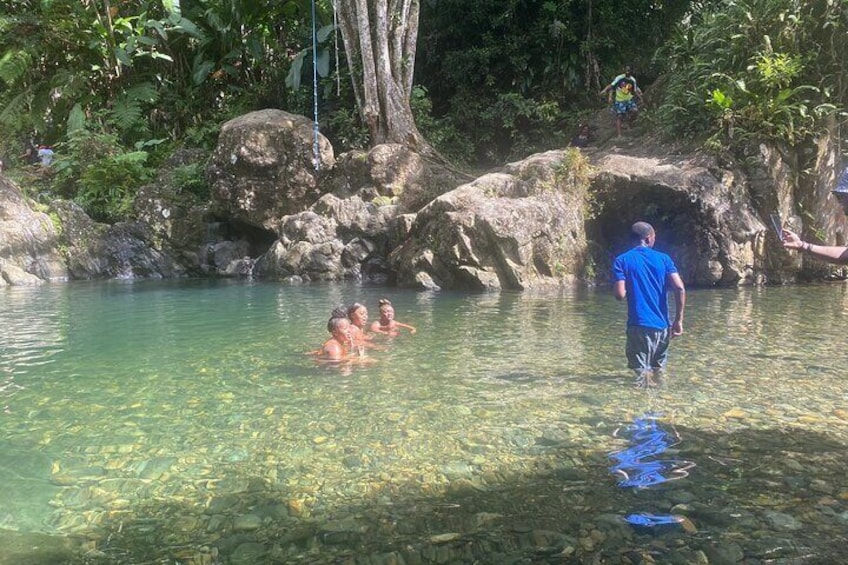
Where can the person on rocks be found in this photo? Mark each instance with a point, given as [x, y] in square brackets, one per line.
[387, 324]
[623, 93]
[836, 254]
[30, 154]
[583, 137]
[643, 277]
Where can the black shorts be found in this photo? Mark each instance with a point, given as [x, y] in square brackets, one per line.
[647, 348]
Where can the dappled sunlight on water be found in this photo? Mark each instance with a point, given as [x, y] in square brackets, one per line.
[185, 421]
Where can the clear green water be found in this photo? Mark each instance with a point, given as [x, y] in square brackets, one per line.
[148, 422]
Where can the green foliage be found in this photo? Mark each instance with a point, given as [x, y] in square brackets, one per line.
[755, 69]
[346, 129]
[190, 179]
[575, 172]
[441, 132]
[95, 171]
[108, 185]
[505, 73]
[323, 39]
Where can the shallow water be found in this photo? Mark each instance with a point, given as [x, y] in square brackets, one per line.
[162, 422]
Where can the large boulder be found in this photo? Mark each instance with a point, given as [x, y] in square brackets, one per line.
[520, 228]
[392, 173]
[29, 241]
[335, 239]
[263, 168]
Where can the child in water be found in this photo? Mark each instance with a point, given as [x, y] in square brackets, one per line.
[387, 324]
[339, 345]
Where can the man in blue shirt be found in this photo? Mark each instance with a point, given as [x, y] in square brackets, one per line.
[644, 276]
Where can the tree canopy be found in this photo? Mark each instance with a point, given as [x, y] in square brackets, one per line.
[481, 81]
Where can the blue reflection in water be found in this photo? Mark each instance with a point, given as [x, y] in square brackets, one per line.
[640, 467]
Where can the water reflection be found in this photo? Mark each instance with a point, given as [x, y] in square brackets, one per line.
[641, 466]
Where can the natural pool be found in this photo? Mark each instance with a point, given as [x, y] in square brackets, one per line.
[181, 422]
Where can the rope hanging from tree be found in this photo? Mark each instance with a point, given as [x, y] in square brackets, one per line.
[316, 155]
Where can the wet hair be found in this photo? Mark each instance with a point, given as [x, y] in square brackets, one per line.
[640, 231]
[334, 322]
[384, 302]
[354, 307]
[339, 313]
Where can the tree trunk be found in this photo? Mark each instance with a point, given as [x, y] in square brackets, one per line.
[379, 38]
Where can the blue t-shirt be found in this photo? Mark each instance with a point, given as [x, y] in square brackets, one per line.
[645, 273]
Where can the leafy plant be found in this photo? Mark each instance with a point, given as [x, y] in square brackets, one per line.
[441, 132]
[761, 69]
[190, 179]
[108, 186]
[94, 170]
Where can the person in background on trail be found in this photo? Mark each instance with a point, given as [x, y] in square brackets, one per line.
[387, 324]
[45, 155]
[30, 155]
[583, 137]
[837, 254]
[623, 92]
[643, 277]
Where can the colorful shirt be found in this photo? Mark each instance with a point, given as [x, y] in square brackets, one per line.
[625, 87]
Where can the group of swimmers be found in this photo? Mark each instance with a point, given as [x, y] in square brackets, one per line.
[349, 330]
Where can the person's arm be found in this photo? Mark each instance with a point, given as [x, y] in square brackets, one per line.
[407, 326]
[679, 303]
[619, 285]
[830, 253]
[619, 288]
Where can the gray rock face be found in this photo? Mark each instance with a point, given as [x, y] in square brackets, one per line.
[335, 239]
[263, 170]
[28, 241]
[517, 229]
[703, 215]
[120, 251]
[389, 215]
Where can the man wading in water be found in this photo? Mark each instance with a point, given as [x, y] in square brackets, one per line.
[643, 277]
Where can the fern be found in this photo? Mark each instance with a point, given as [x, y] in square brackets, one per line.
[126, 114]
[143, 92]
[14, 65]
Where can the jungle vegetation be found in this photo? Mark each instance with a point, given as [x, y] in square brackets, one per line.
[116, 85]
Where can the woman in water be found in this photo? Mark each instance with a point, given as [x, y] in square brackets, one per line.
[358, 315]
[387, 324]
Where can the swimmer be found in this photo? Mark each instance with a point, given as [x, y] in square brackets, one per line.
[358, 315]
[387, 324]
[340, 344]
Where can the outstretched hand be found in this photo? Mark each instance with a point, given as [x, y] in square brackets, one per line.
[791, 240]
